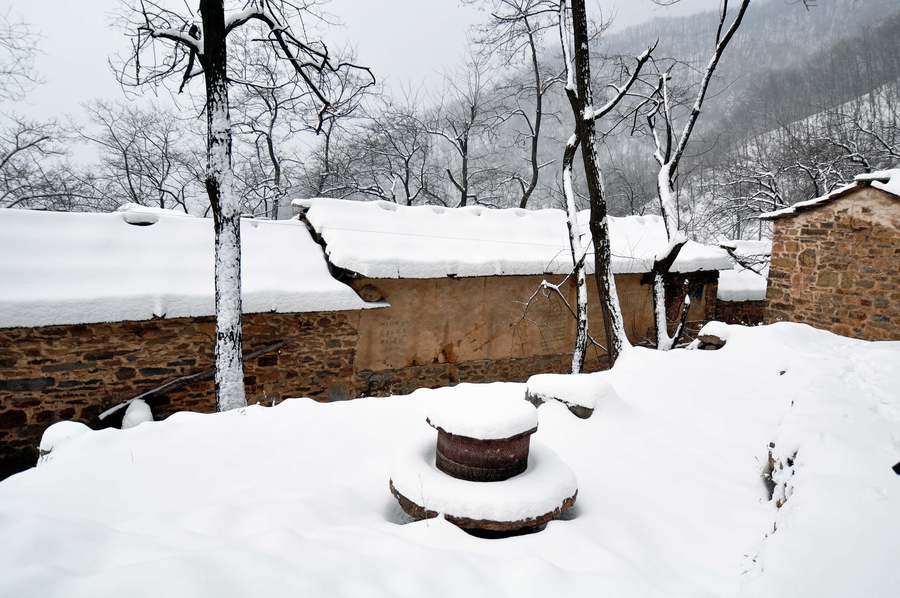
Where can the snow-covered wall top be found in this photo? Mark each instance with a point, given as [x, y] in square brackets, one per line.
[380, 239]
[744, 284]
[69, 268]
[884, 180]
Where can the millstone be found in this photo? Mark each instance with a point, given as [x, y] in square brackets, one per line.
[479, 460]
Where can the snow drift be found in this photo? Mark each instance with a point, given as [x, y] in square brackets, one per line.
[294, 499]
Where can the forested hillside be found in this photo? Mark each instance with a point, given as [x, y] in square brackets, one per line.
[803, 101]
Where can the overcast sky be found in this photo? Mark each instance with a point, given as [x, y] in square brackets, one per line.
[406, 42]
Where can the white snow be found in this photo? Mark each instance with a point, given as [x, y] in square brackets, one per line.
[886, 180]
[749, 247]
[293, 500]
[582, 390]
[380, 239]
[741, 284]
[807, 203]
[61, 433]
[485, 412]
[744, 284]
[138, 412]
[72, 268]
[715, 328]
[540, 489]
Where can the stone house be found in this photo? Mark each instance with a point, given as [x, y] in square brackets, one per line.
[96, 309]
[836, 260]
[464, 286]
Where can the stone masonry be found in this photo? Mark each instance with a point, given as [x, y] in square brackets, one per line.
[54, 373]
[748, 313]
[837, 266]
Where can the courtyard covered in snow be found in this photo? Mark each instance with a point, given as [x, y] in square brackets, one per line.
[294, 500]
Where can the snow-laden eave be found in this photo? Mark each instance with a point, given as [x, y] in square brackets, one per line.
[72, 268]
[378, 239]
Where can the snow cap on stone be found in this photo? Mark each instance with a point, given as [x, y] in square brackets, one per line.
[483, 414]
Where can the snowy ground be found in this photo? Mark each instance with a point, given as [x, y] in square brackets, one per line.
[293, 500]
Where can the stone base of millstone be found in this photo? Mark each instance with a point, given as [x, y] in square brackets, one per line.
[545, 490]
[501, 528]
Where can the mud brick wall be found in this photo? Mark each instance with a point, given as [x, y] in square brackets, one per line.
[406, 380]
[748, 313]
[54, 373]
[837, 266]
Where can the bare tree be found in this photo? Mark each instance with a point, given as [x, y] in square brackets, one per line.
[392, 155]
[145, 156]
[35, 172]
[195, 44]
[465, 120]
[275, 107]
[514, 34]
[32, 154]
[669, 148]
[18, 44]
[577, 60]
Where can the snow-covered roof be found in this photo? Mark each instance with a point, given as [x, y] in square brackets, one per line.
[749, 247]
[379, 239]
[137, 264]
[883, 180]
[744, 284]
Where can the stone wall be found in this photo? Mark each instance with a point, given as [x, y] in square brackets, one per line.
[835, 267]
[749, 313]
[54, 373]
[437, 332]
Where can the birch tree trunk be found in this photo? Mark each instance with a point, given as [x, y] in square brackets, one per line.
[226, 212]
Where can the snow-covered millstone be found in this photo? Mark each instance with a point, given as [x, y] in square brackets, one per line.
[483, 438]
[579, 392]
[483, 475]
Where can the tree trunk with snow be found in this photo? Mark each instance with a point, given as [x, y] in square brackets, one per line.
[206, 46]
[670, 148]
[578, 90]
[579, 251]
[226, 212]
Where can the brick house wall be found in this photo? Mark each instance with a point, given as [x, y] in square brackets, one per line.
[55, 373]
[836, 266]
